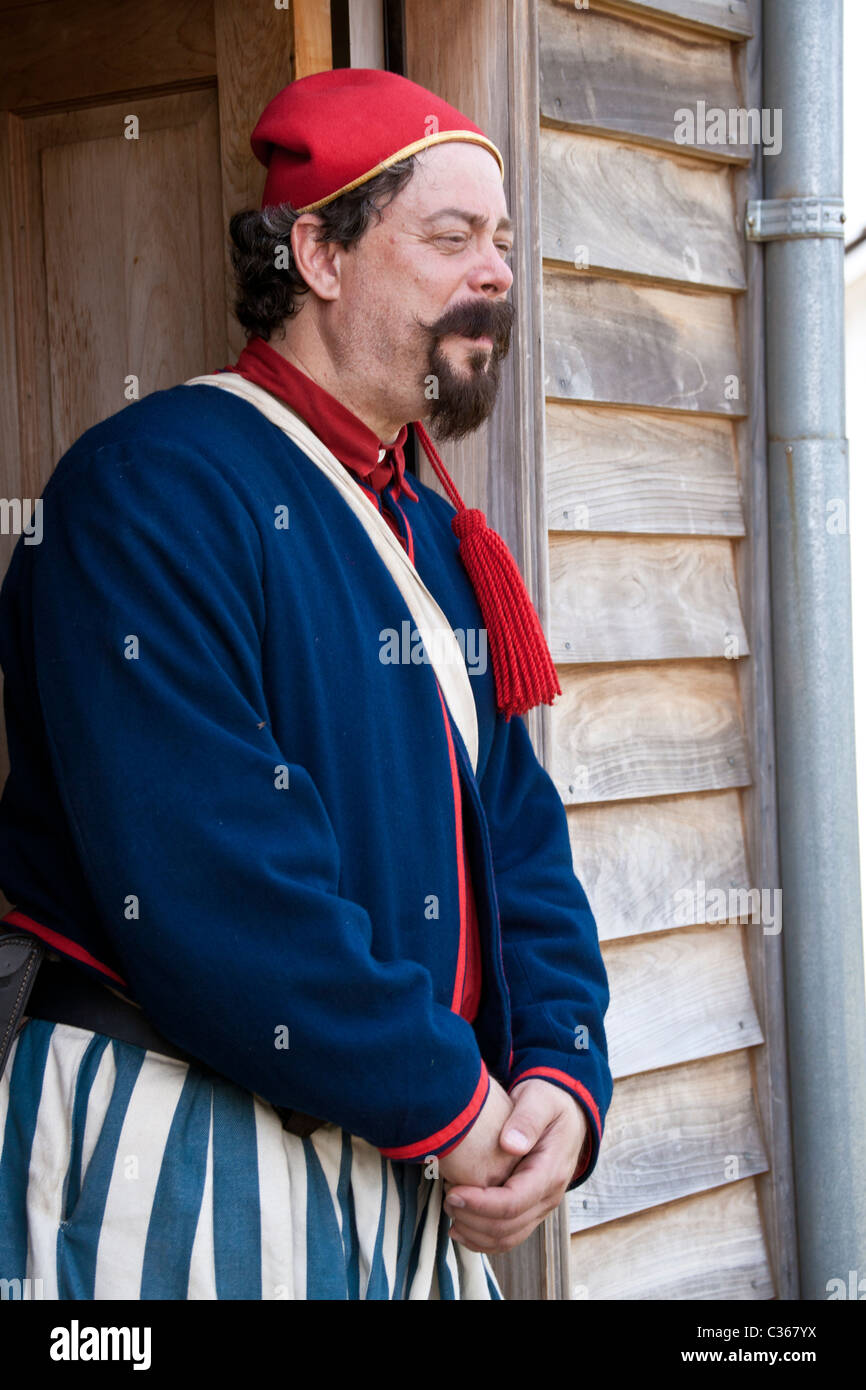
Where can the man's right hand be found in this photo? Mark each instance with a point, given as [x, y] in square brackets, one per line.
[478, 1160]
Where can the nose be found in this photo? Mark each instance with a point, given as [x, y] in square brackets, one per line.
[491, 275]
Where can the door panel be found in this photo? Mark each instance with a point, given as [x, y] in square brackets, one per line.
[132, 244]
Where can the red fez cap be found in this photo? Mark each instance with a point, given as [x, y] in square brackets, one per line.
[327, 134]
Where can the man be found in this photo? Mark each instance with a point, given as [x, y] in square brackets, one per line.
[362, 1045]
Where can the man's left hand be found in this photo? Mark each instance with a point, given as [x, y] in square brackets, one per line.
[549, 1128]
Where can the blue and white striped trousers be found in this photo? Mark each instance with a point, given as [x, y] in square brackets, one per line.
[126, 1174]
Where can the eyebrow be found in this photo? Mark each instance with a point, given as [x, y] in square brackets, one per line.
[476, 220]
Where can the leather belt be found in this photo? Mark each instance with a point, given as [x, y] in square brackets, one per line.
[61, 993]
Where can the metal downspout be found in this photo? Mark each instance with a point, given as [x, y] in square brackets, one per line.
[811, 617]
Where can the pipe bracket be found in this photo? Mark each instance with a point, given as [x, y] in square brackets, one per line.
[789, 219]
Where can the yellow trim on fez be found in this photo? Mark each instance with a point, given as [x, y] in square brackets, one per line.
[417, 145]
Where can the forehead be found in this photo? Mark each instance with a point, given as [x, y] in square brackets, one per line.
[454, 174]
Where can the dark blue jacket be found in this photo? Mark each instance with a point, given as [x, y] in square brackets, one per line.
[223, 801]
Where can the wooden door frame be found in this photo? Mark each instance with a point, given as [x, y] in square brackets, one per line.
[486, 63]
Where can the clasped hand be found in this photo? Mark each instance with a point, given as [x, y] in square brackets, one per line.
[513, 1166]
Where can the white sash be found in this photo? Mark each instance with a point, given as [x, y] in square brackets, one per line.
[435, 631]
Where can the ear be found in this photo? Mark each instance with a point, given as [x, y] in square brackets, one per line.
[318, 262]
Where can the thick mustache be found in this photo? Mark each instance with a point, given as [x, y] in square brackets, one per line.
[483, 318]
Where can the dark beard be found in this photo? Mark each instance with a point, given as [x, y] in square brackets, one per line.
[466, 399]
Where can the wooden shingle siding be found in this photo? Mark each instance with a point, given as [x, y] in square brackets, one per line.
[730, 18]
[636, 857]
[651, 597]
[647, 730]
[672, 1133]
[638, 212]
[705, 1247]
[678, 996]
[610, 471]
[616, 341]
[643, 271]
[624, 74]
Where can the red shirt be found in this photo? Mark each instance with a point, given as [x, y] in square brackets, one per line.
[380, 472]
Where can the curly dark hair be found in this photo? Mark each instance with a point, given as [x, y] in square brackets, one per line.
[268, 284]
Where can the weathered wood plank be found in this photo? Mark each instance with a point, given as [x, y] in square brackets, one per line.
[710, 1246]
[36, 454]
[483, 58]
[727, 18]
[255, 48]
[73, 50]
[618, 342]
[10, 460]
[488, 69]
[637, 731]
[631, 470]
[678, 996]
[312, 24]
[254, 52]
[640, 862]
[672, 1133]
[215, 295]
[642, 599]
[625, 75]
[610, 206]
[460, 52]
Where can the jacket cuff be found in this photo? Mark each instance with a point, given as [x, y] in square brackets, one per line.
[595, 1121]
[450, 1135]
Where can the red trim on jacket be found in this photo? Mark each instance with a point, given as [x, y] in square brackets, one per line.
[460, 976]
[453, 1131]
[60, 943]
[472, 983]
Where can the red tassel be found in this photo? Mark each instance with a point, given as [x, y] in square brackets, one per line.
[523, 667]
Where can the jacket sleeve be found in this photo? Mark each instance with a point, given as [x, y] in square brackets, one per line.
[550, 950]
[211, 859]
